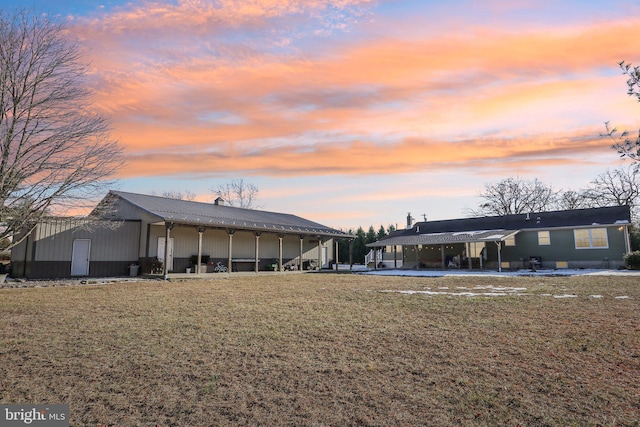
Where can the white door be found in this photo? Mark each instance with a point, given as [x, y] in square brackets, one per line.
[80, 257]
[161, 241]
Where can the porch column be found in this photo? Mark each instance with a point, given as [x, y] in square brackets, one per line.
[230, 253]
[468, 245]
[336, 255]
[319, 253]
[395, 256]
[280, 237]
[257, 251]
[417, 258]
[167, 236]
[442, 256]
[375, 258]
[301, 252]
[200, 232]
[350, 254]
[499, 244]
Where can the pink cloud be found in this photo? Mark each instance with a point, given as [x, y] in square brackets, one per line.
[384, 104]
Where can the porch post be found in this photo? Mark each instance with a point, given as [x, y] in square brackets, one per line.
[319, 253]
[468, 244]
[200, 232]
[301, 252]
[257, 251]
[280, 237]
[395, 256]
[350, 254]
[375, 258]
[499, 244]
[417, 258]
[230, 253]
[167, 236]
[442, 256]
[336, 255]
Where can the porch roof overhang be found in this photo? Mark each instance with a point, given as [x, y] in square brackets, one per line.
[230, 224]
[445, 238]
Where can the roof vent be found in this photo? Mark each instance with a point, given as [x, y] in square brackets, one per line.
[219, 201]
[409, 220]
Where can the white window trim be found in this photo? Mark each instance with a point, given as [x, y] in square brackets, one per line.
[548, 234]
[589, 230]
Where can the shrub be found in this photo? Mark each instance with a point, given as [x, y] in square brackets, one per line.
[632, 260]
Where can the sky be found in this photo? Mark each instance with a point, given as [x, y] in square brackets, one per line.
[356, 112]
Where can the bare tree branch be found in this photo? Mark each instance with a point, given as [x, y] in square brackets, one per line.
[55, 153]
[238, 193]
[622, 143]
[514, 196]
[617, 187]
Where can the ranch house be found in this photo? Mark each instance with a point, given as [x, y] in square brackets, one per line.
[579, 238]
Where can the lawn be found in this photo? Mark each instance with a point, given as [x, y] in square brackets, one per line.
[328, 350]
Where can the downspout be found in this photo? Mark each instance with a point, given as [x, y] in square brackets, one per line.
[627, 242]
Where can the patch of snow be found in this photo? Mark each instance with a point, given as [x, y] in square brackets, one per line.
[565, 296]
[622, 297]
[492, 273]
[595, 296]
[462, 294]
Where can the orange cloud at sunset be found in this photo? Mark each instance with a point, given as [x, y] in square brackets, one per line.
[474, 91]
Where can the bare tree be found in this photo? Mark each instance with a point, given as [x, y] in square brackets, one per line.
[571, 199]
[514, 196]
[238, 193]
[622, 143]
[54, 151]
[178, 195]
[617, 187]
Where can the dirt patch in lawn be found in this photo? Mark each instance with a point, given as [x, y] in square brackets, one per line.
[327, 349]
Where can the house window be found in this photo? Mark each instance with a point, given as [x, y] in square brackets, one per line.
[510, 241]
[544, 238]
[591, 238]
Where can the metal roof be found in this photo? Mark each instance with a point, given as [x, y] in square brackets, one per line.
[446, 238]
[220, 216]
[496, 228]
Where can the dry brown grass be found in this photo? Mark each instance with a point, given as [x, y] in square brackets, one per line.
[326, 350]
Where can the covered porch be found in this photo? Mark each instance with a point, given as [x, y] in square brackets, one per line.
[447, 250]
[175, 249]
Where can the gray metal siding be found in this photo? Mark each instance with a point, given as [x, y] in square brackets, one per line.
[53, 240]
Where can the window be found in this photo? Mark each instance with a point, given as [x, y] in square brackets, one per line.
[544, 238]
[510, 241]
[591, 238]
